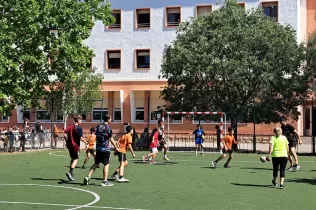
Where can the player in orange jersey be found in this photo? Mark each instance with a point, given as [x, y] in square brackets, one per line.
[228, 144]
[90, 146]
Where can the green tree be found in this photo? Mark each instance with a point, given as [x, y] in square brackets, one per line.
[41, 40]
[231, 60]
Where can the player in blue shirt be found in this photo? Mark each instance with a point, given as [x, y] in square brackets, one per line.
[199, 139]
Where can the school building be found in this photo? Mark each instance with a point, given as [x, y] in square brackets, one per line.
[129, 55]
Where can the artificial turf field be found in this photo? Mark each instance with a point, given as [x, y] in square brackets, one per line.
[36, 180]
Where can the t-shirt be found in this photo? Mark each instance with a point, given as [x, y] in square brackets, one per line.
[198, 134]
[103, 135]
[218, 134]
[288, 131]
[124, 141]
[161, 133]
[91, 141]
[153, 144]
[280, 146]
[74, 133]
[229, 140]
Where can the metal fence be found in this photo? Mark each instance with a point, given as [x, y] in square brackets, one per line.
[175, 142]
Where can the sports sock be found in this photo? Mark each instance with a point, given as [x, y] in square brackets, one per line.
[121, 177]
[71, 171]
[115, 173]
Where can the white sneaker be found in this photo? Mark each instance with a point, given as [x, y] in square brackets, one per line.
[123, 180]
[213, 164]
[115, 177]
[106, 184]
[202, 154]
[195, 154]
[290, 168]
[144, 158]
[296, 167]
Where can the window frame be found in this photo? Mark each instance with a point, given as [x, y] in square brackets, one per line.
[107, 54]
[271, 3]
[110, 27]
[5, 121]
[136, 57]
[114, 110]
[136, 18]
[307, 119]
[202, 5]
[41, 110]
[105, 111]
[166, 16]
[242, 4]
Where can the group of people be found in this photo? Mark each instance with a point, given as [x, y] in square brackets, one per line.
[101, 138]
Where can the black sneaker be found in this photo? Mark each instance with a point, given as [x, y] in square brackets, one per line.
[281, 186]
[227, 166]
[70, 176]
[274, 183]
[86, 181]
[83, 167]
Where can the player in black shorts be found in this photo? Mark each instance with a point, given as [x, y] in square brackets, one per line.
[290, 133]
[161, 139]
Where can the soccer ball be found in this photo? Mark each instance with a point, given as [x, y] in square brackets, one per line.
[263, 159]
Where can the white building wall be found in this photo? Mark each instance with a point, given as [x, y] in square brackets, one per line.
[128, 38]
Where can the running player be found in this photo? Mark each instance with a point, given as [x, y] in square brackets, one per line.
[73, 136]
[153, 147]
[199, 139]
[103, 153]
[90, 146]
[123, 144]
[161, 139]
[290, 133]
[228, 144]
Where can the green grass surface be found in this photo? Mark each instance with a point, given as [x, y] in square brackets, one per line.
[185, 182]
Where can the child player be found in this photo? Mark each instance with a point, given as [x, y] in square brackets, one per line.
[90, 146]
[123, 144]
[199, 139]
[153, 146]
[228, 144]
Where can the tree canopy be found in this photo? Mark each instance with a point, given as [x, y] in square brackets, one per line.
[231, 60]
[41, 44]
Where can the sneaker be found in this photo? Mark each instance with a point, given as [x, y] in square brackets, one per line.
[274, 183]
[195, 154]
[123, 180]
[86, 181]
[70, 176]
[290, 168]
[296, 167]
[144, 158]
[115, 176]
[202, 154]
[83, 167]
[152, 162]
[227, 166]
[106, 184]
[166, 159]
[214, 164]
[281, 186]
[221, 150]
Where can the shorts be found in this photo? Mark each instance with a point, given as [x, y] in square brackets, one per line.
[91, 151]
[154, 150]
[102, 157]
[162, 143]
[199, 141]
[292, 144]
[121, 156]
[74, 154]
[229, 151]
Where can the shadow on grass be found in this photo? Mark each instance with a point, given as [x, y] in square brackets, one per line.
[59, 181]
[267, 169]
[253, 185]
[76, 167]
[207, 167]
[101, 179]
[157, 163]
[303, 180]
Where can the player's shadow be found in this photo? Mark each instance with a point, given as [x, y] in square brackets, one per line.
[59, 181]
[267, 169]
[303, 180]
[253, 185]
[157, 163]
[76, 167]
[208, 167]
[101, 179]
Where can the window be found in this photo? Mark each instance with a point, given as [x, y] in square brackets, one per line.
[142, 18]
[307, 119]
[59, 117]
[42, 115]
[202, 9]
[114, 59]
[4, 118]
[96, 114]
[154, 116]
[84, 117]
[176, 118]
[142, 59]
[270, 9]
[117, 15]
[173, 16]
[117, 114]
[26, 115]
[207, 119]
[139, 114]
